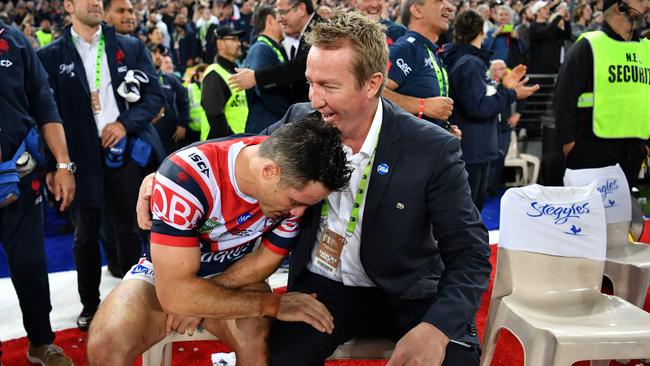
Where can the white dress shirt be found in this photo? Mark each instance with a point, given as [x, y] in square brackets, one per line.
[88, 54]
[350, 271]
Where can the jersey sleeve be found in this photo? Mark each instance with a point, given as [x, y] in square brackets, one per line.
[400, 58]
[281, 239]
[178, 205]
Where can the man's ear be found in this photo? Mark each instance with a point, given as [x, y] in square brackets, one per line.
[374, 84]
[270, 172]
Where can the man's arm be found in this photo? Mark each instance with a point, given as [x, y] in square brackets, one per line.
[573, 79]
[214, 95]
[181, 292]
[463, 243]
[434, 107]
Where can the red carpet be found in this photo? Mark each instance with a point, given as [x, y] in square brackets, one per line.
[508, 352]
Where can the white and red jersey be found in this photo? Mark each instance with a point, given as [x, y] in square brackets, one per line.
[195, 201]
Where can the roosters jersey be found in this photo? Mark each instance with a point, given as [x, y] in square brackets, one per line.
[195, 202]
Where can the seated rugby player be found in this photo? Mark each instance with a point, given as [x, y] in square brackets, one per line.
[225, 214]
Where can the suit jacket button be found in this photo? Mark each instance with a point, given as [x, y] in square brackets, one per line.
[471, 329]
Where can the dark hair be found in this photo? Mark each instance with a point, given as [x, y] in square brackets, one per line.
[579, 11]
[258, 21]
[199, 68]
[308, 150]
[468, 25]
[309, 6]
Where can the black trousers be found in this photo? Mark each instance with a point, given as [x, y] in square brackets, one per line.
[477, 177]
[121, 187]
[21, 234]
[357, 311]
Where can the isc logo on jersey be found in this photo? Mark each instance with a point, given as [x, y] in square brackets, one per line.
[174, 205]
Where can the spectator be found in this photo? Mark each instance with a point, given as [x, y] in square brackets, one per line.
[374, 9]
[527, 18]
[155, 21]
[203, 25]
[421, 88]
[547, 38]
[120, 14]
[28, 109]
[484, 10]
[225, 106]
[297, 17]
[503, 41]
[155, 38]
[477, 101]
[28, 32]
[172, 126]
[267, 106]
[108, 176]
[507, 120]
[581, 20]
[184, 47]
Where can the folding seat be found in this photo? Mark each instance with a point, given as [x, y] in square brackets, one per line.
[547, 286]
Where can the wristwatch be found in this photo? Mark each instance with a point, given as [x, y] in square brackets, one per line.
[71, 167]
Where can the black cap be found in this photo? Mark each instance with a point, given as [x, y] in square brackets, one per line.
[157, 47]
[222, 32]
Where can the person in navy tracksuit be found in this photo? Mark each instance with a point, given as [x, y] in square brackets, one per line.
[86, 66]
[477, 102]
[26, 103]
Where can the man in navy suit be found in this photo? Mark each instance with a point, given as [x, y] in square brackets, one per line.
[402, 251]
[86, 66]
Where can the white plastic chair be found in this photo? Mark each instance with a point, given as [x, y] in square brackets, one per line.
[529, 164]
[547, 285]
[161, 353]
[628, 263]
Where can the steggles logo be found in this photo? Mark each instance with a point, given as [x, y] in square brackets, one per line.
[560, 214]
[608, 188]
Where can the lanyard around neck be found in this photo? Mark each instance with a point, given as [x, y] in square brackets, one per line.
[441, 75]
[358, 199]
[98, 63]
[265, 39]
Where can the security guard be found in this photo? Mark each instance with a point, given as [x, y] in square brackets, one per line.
[198, 119]
[44, 33]
[602, 95]
[27, 105]
[225, 107]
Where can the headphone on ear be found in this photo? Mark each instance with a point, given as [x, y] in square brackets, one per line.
[622, 6]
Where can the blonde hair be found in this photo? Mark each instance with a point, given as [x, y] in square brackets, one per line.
[365, 36]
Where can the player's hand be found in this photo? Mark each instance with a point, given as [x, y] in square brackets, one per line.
[514, 76]
[299, 307]
[423, 345]
[181, 324]
[244, 79]
[61, 183]
[438, 107]
[142, 207]
[112, 134]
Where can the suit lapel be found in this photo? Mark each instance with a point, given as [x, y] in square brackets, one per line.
[387, 153]
[79, 69]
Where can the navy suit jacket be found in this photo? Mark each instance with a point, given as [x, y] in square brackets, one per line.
[67, 79]
[421, 237]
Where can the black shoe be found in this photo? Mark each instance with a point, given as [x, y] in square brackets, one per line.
[114, 269]
[86, 316]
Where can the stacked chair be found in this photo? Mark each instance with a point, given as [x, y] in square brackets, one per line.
[550, 263]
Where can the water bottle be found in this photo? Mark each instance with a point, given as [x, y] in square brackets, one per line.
[115, 154]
